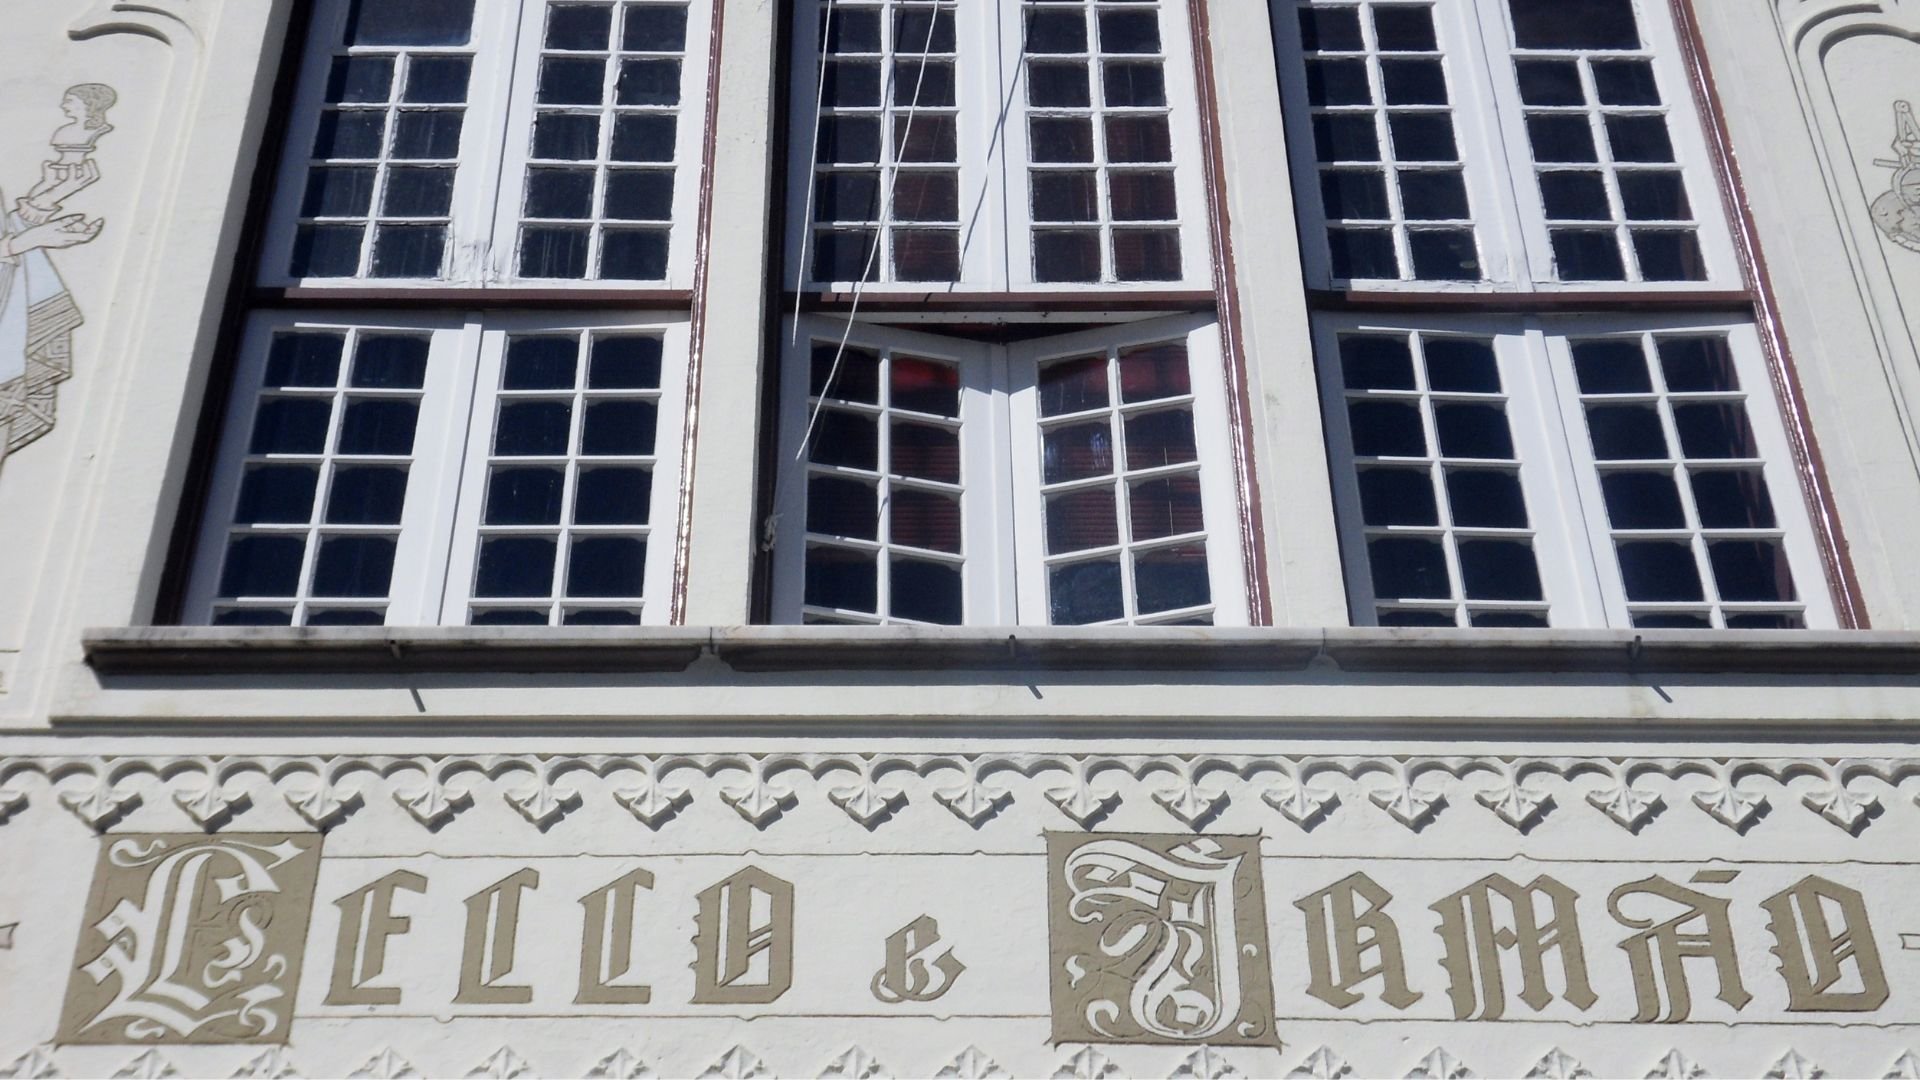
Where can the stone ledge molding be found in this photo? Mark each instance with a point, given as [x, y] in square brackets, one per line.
[1519, 792]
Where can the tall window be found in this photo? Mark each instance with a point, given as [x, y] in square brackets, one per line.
[1495, 469]
[453, 459]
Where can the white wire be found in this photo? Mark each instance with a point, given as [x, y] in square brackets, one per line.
[873, 252]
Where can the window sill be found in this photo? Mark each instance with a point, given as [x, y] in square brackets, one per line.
[199, 651]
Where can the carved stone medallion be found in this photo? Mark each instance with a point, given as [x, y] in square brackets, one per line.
[1158, 939]
[189, 938]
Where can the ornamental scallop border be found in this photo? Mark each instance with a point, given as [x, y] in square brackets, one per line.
[872, 789]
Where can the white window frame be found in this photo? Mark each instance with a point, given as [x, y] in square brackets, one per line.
[1004, 518]
[1477, 47]
[446, 482]
[1573, 544]
[995, 217]
[495, 148]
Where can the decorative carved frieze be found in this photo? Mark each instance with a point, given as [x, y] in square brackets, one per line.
[874, 790]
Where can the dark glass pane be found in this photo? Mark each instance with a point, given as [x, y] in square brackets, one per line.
[418, 192]
[1354, 193]
[277, 495]
[1671, 621]
[1404, 29]
[924, 519]
[304, 360]
[925, 452]
[624, 362]
[1486, 499]
[633, 254]
[1346, 137]
[1338, 82]
[1714, 431]
[1659, 571]
[291, 426]
[1626, 82]
[358, 566]
[1070, 386]
[1611, 367]
[390, 362]
[1081, 593]
[1386, 429]
[613, 497]
[606, 566]
[262, 566]
[1766, 622]
[1066, 255]
[326, 251]
[1461, 365]
[1751, 570]
[572, 81]
[1574, 24]
[438, 80]
[1171, 579]
[1416, 618]
[1061, 140]
[533, 429]
[1643, 500]
[655, 28]
[1056, 31]
[254, 617]
[840, 507]
[847, 196]
[409, 251]
[379, 426]
[1363, 253]
[928, 592]
[846, 439]
[1138, 139]
[1472, 431]
[520, 496]
[926, 139]
[1146, 254]
[516, 566]
[619, 428]
[839, 578]
[1066, 196]
[1575, 196]
[1733, 499]
[1518, 620]
[1078, 451]
[571, 137]
[853, 31]
[1142, 196]
[560, 193]
[432, 134]
[1169, 506]
[1427, 195]
[1638, 137]
[926, 254]
[1331, 30]
[1129, 31]
[844, 255]
[1414, 82]
[925, 386]
[1059, 85]
[338, 192]
[643, 137]
[1408, 568]
[1550, 82]
[1079, 520]
[1626, 432]
[356, 134]
[1558, 137]
[1669, 255]
[1587, 255]
[541, 363]
[855, 374]
[849, 139]
[1654, 196]
[360, 80]
[365, 495]
[1397, 497]
[1444, 254]
[509, 617]
[410, 22]
[926, 196]
[1376, 363]
[1160, 438]
[930, 84]
[1422, 137]
[580, 27]
[602, 617]
[639, 195]
[1698, 365]
[1499, 570]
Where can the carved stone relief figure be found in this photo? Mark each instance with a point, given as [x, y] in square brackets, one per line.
[1897, 213]
[37, 314]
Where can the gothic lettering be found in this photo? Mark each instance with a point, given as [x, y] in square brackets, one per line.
[1815, 957]
[1659, 951]
[1470, 928]
[907, 976]
[360, 952]
[606, 943]
[744, 940]
[1339, 937]
[493, 927]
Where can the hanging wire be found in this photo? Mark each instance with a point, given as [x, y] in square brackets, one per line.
[771, 528]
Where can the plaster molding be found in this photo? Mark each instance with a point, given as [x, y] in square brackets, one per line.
[873, 789]
[1322, 1064]
[1676, 1066]
[855, 1064]
[35, 1064]
[1792, 1066]
[738, 1063]
[147, 1066]
[272, 1065]
[972, 1064]
[178, 23]
[622, 1064]
[1204, 1064]
[1558, 1065]
[1440, 1064]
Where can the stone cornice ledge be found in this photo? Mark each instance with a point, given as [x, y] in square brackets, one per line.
[198, 651]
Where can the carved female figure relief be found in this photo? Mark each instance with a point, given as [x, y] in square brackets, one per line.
[1897, 213]
[37, 313]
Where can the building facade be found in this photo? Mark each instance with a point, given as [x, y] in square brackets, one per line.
[971, 538]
